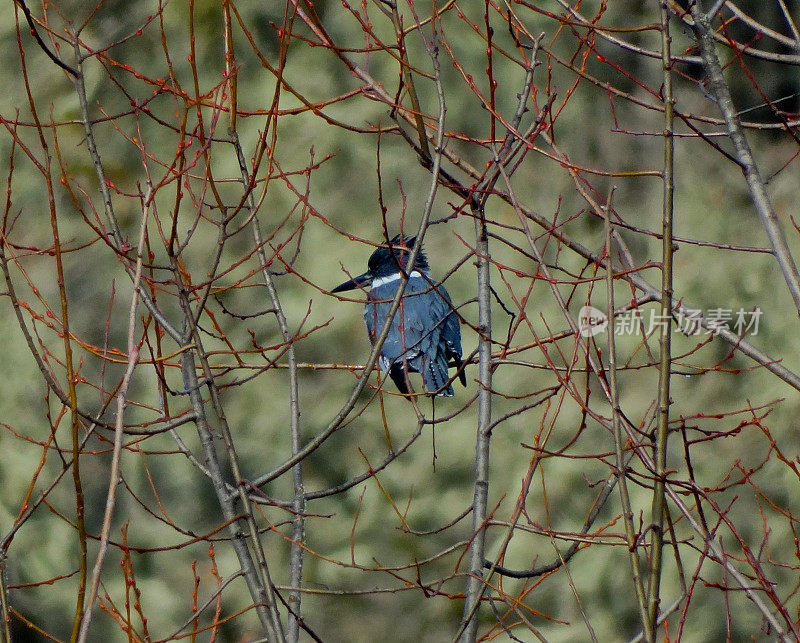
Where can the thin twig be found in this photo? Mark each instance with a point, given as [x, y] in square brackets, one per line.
[616, 421]
[599, 502]
[712, 12]
[114, 475]
[35, 33]
[298, 527]
[790, 21]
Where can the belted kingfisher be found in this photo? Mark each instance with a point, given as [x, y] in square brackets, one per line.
[424, 335]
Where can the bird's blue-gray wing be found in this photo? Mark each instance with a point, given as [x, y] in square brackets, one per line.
[424, 333]
[442, 343]
[406, 330]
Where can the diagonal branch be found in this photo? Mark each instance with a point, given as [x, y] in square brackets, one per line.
[719, 89]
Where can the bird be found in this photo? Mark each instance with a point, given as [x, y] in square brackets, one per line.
[424, 336]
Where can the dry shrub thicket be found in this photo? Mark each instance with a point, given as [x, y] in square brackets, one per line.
[196, 442]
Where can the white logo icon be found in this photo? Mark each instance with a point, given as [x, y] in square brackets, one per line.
[591, 321]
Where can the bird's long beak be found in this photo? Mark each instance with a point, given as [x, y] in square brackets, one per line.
[356, 282]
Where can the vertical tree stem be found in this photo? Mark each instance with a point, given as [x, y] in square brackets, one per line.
[474, 588]
[622, 480]
[4, 615]
[665, 338]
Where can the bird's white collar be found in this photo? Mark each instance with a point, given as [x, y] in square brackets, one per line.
[381, 281]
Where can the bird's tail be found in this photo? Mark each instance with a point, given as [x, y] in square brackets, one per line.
[434, 376]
